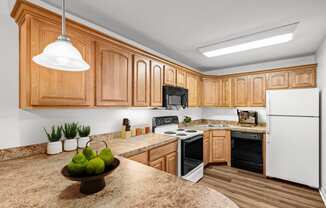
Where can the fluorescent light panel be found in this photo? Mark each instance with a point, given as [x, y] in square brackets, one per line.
[258, 40]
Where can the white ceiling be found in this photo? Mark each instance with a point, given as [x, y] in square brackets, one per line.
[177, 28]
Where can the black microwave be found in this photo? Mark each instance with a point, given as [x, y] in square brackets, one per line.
[175, 97]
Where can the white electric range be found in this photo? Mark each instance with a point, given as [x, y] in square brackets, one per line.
[190, 146]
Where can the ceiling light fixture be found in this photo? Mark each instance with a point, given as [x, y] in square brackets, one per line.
[61, 54]
[258, 40]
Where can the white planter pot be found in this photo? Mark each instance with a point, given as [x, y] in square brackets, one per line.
[70, 144]
[82, 141]
[54, 148]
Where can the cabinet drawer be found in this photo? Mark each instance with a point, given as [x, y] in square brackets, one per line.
[162, 151]
[218, 133]
[141, 158]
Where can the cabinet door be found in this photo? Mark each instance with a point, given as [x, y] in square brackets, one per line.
[206, 149]
[114, 75]
[170, 75]
[257, 88]
[141, 81]
[156, 83]
[141, 158]
[240, 90]
[221, 147]
[171, 163]
[209, 92]
[192, 86]
[59, 88]
[226, 92]
[278, 80]
[181, 78]
[218, 92]
[304, 77]
[158, 164]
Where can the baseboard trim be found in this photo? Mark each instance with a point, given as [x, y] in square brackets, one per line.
[323, 195]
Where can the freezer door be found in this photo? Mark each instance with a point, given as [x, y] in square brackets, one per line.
[294, 102]
[293, 149]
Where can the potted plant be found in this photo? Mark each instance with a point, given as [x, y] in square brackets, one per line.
[187, 120]
[83, 132]
[70, 132]
[55, 145]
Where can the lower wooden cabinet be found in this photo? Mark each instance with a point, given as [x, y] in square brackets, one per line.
[164, 158]
[171, 163]
[141, 158]
[158, 164]
[206, 149]
[217, 146]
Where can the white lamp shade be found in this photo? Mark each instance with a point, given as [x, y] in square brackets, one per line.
[61, 55]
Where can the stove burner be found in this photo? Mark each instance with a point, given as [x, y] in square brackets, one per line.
[181, 134]
[169, 132]
[191, 131]
[180, 129]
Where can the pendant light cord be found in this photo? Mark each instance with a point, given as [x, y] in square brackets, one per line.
[63, 26]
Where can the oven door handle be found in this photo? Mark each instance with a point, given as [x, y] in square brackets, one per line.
[193, 139]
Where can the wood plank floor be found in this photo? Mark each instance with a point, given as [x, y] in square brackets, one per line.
[250, 190]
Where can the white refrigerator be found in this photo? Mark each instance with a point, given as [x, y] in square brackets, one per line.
[292, 151]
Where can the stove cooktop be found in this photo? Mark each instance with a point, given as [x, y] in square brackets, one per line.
[183, 133]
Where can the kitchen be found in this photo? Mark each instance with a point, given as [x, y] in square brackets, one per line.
[233, 113]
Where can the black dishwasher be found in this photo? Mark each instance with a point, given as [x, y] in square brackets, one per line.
[247, 151]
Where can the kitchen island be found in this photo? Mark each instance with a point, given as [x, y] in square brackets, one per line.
[36, 181]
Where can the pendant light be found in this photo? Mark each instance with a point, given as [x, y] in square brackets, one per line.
[61, 54]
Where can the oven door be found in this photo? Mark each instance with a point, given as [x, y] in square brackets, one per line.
[191, 154]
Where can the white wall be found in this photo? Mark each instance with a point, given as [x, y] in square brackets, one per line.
[321, 76]
[311, 59]
[230, 114]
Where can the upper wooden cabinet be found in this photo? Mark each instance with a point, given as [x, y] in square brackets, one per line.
[156, 83]
[278, 80]
[141, 81]
[225, 92]
[181, 78]
[240, 91]
[209, 93]
[193, 88]
[170, 74]
[113, 75]
[303, 77]
[40, 86]
[257, 90]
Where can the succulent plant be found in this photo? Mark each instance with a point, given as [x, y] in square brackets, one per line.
[55, 135]
[70, 130]
[84, 131]
[187, 119]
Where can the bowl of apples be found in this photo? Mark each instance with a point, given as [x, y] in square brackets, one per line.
[90, 168]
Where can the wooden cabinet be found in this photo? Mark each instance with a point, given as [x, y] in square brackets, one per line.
[141, 158]
[220, 145]
[278, 80]
[303, 77]
[141, 81]
[181, 78]
[240, 91]
[257, 90]
[170, 74]
[40, 86]
[156, 83]
[158, 164]
[209, 93]
[225, 92]
[206, 147]
[113, 75]
[192, 86]
[171, 163]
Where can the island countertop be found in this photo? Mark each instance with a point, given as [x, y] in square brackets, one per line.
[36, 181]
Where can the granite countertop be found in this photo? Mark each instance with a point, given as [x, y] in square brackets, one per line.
[232, 127]
[36, 181]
